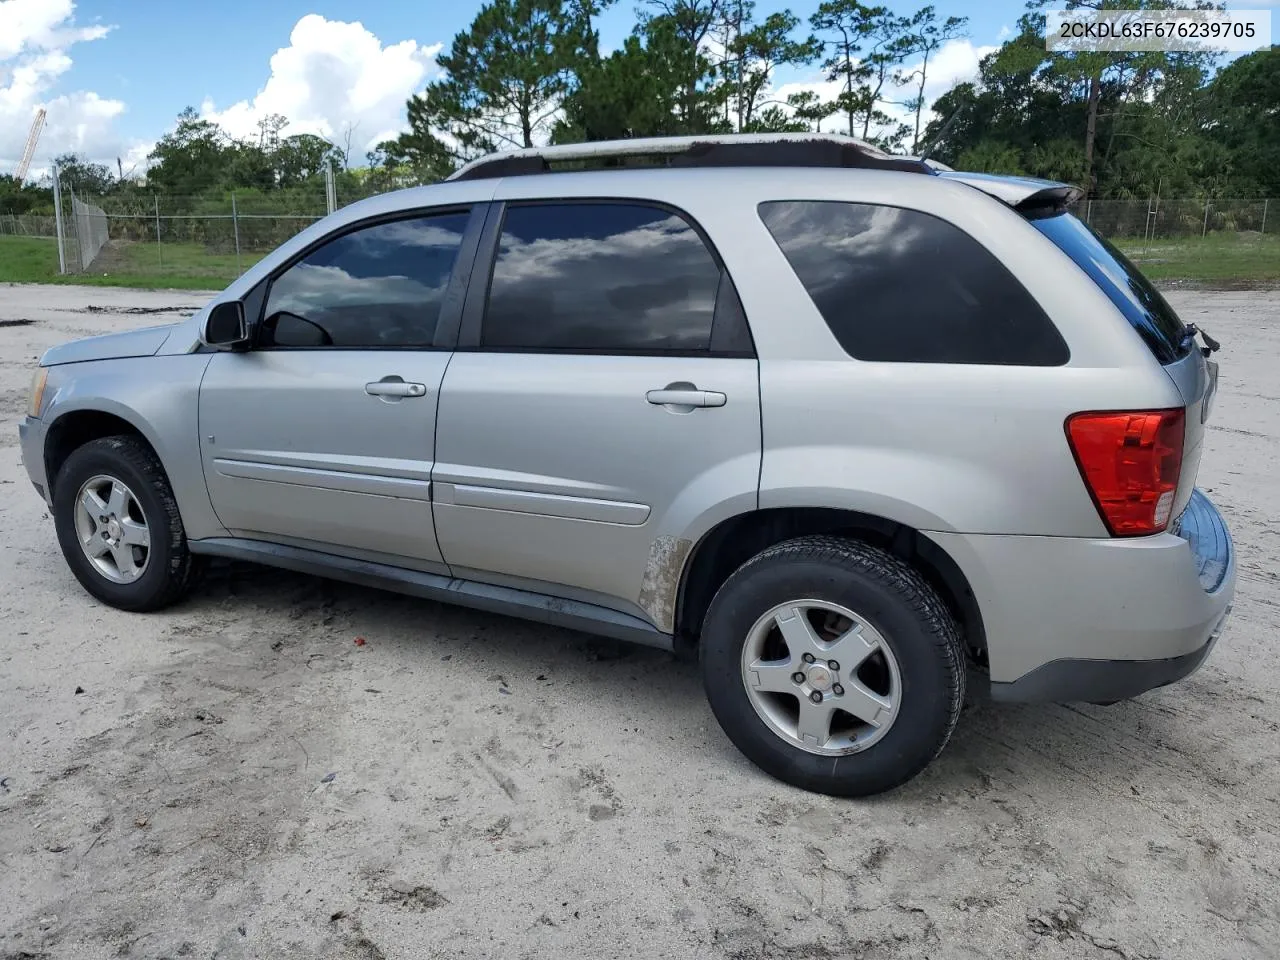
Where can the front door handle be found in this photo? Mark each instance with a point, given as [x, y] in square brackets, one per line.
[685, 395]
[395, 388]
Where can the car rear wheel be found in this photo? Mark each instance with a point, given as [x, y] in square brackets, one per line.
[119, 527]
[833, 666]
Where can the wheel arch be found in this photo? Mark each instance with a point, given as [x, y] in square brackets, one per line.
[72, 429]
[733, 541]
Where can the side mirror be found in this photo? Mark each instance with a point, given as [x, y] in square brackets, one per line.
[225, 326]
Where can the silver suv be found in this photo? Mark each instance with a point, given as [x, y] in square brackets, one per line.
[845, 424]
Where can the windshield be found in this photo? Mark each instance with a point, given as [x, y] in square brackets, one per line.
[1131, 292]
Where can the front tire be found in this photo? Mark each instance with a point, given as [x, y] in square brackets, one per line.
[833, 666]
[119, 527]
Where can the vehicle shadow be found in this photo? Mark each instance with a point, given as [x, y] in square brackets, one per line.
[418, 632]
[1056, 751]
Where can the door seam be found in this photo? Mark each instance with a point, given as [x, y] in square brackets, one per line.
[200, 442]
[435, 448]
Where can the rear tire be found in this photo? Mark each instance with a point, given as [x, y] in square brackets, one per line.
[119, 527]
[773, 643]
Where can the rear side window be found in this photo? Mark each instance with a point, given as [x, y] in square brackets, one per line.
[903, 286]
[1131, 292]
[606, 277]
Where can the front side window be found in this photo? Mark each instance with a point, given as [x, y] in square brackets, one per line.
[378, 286]
[603, 277]
[904, 286]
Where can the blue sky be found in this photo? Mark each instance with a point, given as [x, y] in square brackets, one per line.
[130, 64]
[113, 74]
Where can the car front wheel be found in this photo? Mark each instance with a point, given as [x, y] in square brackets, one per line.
[119, 527]
[833, 666]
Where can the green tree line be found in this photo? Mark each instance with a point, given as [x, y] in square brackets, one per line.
[1121, 125]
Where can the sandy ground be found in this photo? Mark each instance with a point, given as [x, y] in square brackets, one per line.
[237, 778]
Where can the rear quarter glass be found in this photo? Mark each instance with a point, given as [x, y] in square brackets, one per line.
[862, 265]
[1123, 283]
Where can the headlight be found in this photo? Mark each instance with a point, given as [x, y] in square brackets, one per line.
[36, 400]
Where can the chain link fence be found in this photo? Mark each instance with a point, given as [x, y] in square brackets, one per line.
[134, 233]
[1165, 219]
[91, 231]
[24, 225]
[218, 237]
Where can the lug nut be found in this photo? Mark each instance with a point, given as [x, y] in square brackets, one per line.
[838, 690]
[808, 658]
[816, 697]
[833, 665]
[798, 677]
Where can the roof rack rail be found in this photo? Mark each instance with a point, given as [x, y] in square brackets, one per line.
[728, 150]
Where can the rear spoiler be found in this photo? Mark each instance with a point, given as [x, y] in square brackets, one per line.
[1029, 196]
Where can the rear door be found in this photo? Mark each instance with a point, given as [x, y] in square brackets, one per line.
[323, 435]
[603, 402]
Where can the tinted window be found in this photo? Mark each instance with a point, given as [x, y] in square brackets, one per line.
[380, 286]
[1129, 290]
[600, 276]
[899, 285]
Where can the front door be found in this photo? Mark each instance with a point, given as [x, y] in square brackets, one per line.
[323, 435]
[608, 406]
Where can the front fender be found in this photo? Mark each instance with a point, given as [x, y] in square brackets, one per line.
[160, 398]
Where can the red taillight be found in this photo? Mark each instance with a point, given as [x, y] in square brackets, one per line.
[1130, 461]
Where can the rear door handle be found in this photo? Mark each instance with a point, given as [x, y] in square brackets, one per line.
[395, 388]
[685, 395]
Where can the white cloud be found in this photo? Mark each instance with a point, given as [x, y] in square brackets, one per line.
[83, 122]
[956, 62]
[134, 160]
[334, 75]
[40, 25]
[35, 37]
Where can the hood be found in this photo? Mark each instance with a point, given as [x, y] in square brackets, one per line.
[112, 346]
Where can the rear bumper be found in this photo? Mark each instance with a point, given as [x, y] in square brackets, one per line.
[1103, 681]
[1100, 620]
[31, 438]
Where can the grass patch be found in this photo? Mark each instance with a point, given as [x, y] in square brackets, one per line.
[185, 266]
[178, 266]
[1219, 258]
[28, 259]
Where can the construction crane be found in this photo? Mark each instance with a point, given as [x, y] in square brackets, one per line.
[29, 151]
